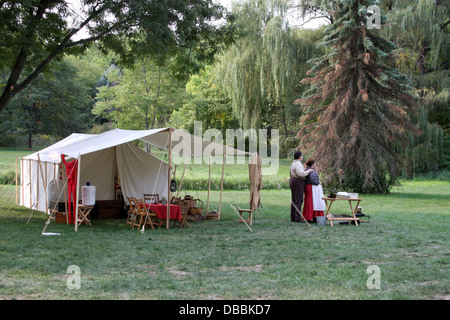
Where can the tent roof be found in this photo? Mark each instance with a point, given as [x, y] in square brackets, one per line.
[80, 144]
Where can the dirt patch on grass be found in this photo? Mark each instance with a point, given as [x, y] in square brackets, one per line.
[256, 268]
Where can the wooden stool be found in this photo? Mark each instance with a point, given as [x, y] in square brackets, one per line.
[83, 214]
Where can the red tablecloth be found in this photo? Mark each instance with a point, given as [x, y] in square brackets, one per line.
[161, 210]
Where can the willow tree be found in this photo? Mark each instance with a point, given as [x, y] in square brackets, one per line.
[258, 71]
[358, 107]
[421, 28]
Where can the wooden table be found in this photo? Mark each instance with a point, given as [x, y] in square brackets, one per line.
[84, 214]
[329, 202]
[161, 210]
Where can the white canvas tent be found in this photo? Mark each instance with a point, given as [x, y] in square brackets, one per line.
[103, 158]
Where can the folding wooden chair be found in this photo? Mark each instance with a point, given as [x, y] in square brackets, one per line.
[250, 215]
[131, 211]
[184, 208]
[151, 197]
[145, 216]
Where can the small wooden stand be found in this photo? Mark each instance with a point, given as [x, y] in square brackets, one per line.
[83, 214]
[329, 202]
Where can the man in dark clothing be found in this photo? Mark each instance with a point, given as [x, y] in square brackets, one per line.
[297, 185]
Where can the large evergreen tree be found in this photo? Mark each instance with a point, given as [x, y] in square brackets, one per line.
[358, 107]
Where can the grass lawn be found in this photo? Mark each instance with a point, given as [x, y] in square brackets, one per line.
[407, 238]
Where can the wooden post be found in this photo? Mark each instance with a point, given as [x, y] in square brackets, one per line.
[77, 192]
[44, 181]
[168, 177]
[209, 182]
[17, 183]
[22, 187]
[221, 184]
[181, 180]
[37, 183]
[29, 177]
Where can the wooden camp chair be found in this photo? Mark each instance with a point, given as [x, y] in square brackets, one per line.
[145, 216]
[245, 211]
[151, 197]
[184, 208]
[131, 212]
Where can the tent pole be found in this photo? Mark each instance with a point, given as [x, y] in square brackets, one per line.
[22, 187]
[168, 182]
[209, 182]
[44, 182]
[181, 180]
[77, 192]
[29, 169]
[17, 183]
[37, 183]
[221, 184]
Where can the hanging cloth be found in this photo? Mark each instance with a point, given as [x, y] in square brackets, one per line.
[72, 172]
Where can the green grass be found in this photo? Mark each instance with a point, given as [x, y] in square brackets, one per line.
[8, 164]
[407, 238]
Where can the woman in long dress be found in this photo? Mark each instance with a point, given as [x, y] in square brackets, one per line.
[314, 205]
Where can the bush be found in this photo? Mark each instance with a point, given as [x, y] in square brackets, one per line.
[8, 177]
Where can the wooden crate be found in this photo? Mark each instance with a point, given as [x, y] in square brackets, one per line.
[109, 209]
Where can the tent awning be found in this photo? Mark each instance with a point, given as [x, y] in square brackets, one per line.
[182, 142]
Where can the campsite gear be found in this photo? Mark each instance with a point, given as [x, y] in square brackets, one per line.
[173, 185]
[331, 218]
[88, 195]
[83, 214]
[195, 209]
[332, 193]
[321, 220]
[212, 215]
[342, 195]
